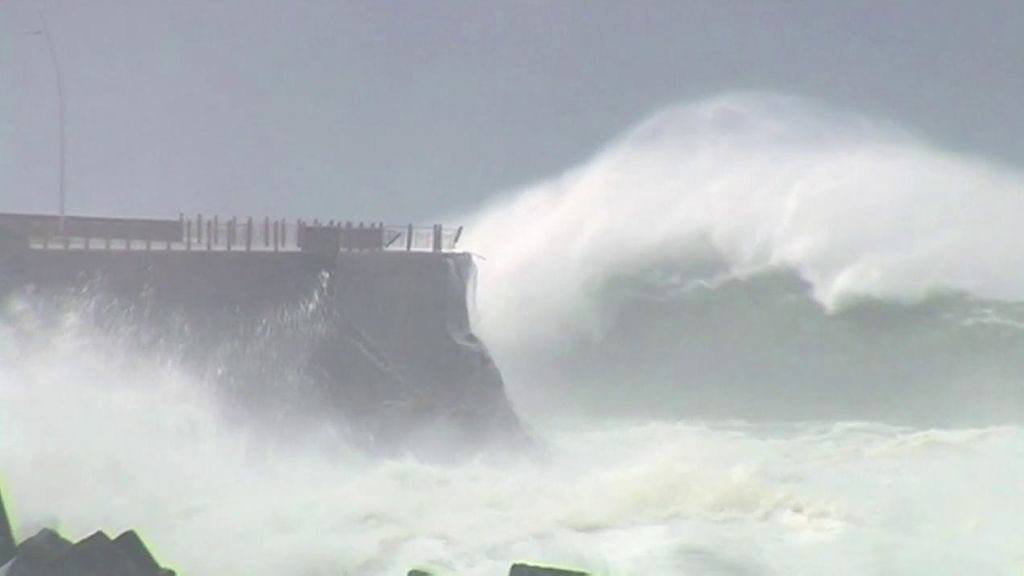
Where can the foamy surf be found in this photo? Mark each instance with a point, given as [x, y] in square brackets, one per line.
[743, 252]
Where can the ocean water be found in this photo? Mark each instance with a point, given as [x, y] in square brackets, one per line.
[754, 336]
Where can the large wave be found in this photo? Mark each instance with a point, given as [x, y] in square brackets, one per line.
[750, 242]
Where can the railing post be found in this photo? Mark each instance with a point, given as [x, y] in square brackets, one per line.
[199, 229]
[209, 235]
[188, 236]
[248, 235]
[216, 230]
[408, 238]
[458, 234]
[437, 238]
[266, 231]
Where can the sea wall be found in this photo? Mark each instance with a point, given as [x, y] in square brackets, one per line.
[378, 342]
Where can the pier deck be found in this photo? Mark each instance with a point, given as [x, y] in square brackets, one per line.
[216, 234]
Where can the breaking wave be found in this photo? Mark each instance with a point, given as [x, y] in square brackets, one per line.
[727, 252]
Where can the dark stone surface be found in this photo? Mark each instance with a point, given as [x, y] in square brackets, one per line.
[530, 570]
[49, 554]
[39, 555]
[135, 550]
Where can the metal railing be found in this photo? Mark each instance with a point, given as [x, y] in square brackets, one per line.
[215, 233]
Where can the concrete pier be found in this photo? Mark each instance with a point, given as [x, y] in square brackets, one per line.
[317, 319]
[196, 233]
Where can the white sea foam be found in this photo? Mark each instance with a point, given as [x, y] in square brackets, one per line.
[96, 433]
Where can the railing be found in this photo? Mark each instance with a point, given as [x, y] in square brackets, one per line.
[227, 235]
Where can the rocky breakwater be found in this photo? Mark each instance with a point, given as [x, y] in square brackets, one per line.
[49, 554]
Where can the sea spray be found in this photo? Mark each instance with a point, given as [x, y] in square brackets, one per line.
[597, 282]
[93, 438]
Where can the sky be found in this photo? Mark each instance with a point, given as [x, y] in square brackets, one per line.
[416, 110]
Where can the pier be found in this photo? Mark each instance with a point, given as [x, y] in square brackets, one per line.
[216, 233]
[291, 320]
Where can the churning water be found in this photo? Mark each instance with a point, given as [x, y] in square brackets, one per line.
[752, 337]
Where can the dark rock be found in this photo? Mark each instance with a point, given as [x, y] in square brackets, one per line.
[97, 556]
[418, 572]
[39, 555]
[528, 570]
[48, 554]
[134, 548]
[7, 546]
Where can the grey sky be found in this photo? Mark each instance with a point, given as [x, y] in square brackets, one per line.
[407, 109]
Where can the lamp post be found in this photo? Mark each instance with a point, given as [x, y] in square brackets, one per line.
[60, 116]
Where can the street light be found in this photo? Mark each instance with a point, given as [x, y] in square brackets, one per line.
[60, 114]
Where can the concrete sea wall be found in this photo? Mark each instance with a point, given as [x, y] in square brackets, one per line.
[378, 341]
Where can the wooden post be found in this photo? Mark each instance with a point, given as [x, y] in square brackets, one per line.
[266, 231]
[277, 233]
[437, 238]
[229, 233]
[248, 235]
[408, 238]
[216, 230]
[199, 229]
[209, 235]
[188, 236]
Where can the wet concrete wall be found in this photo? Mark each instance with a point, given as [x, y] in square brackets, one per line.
[380, 342]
